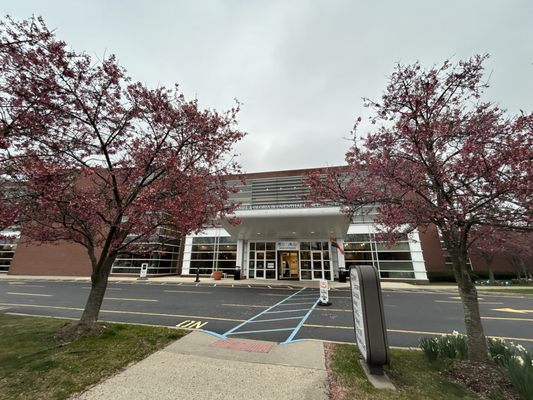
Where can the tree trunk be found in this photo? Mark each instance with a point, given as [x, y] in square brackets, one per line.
[99, 280]
[475, 335]
[491, 275]
[489, 258]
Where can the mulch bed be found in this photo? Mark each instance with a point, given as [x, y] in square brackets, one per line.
[487, 381]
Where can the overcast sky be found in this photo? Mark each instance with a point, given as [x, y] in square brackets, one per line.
[300, 68]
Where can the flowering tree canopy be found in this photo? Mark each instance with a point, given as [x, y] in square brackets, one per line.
[102, 160]
[442, 156]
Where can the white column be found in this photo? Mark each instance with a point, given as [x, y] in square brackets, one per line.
[186, 266]
[340, 256]
[417, 256]
[240, 253]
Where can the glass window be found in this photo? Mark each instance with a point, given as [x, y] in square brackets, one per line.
[357, 246]
[357, 238]
[203, 247]
[304, 246]
[397, 275]
[316, 246]
[394, 255]
[305, 274]
[398, 266]
[397, 246]
[358, 256]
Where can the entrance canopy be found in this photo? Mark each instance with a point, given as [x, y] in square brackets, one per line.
[279, 224]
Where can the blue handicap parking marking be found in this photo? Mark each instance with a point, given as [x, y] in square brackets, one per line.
[287, 315]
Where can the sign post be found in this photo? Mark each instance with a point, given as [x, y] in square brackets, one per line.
[144, 271]
[324, 297]
[369, 319]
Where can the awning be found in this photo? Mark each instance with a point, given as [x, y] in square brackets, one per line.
[287, 224]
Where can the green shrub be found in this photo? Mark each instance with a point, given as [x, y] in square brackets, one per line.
[430, 347]
[446, 346]
[500, 351]
[520, 371]
[513, 358]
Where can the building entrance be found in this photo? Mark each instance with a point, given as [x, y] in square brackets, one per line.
[288, 265]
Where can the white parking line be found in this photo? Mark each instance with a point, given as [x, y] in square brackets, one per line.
[30, 294]
[285, 311]
[186, 291]
[126, 299]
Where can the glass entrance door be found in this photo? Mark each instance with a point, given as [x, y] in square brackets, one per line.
[288, 265]
[317, 264]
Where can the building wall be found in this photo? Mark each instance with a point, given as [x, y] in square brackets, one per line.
[61, 259]
[431, 249]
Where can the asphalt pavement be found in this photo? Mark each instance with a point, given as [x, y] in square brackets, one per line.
[281, 314]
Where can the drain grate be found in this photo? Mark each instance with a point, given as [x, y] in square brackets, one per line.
[234, 344]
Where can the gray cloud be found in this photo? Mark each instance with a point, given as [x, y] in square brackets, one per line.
[300, 68]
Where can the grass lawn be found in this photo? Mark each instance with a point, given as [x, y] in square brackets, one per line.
[33, 366]
[527, 291]
[412, 374]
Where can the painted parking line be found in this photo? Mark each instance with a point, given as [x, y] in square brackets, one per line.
[186, 291]
[327, 326]
[23, 284]
[295, 331]
[128, 299]
[509, 319]
[197, 317]
[285, 311]
[413, 332]
[234, 329]
[273, 320]
[262, 331]
[108, 288]
[459, 302]
[29, 294]
[244, 305]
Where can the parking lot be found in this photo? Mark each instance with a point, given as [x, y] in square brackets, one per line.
[277, 313]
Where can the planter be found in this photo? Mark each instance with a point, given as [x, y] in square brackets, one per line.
[217, 275]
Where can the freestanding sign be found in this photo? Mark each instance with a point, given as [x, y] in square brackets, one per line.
[144, 271]
[324, 297]
[369, 319]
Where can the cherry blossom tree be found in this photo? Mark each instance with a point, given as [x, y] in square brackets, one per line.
[441, 156]
[518, 247]
[487, 244]
[104, 161]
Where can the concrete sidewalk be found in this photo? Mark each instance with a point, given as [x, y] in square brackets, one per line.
[223, 282]
[256, 282]
[201, 366]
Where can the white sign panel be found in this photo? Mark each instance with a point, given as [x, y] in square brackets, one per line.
[270, 265]
[324, 298]
[144, 270]
[287, 246]
[358, 315]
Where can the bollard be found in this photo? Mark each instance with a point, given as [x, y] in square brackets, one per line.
[197, 275]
